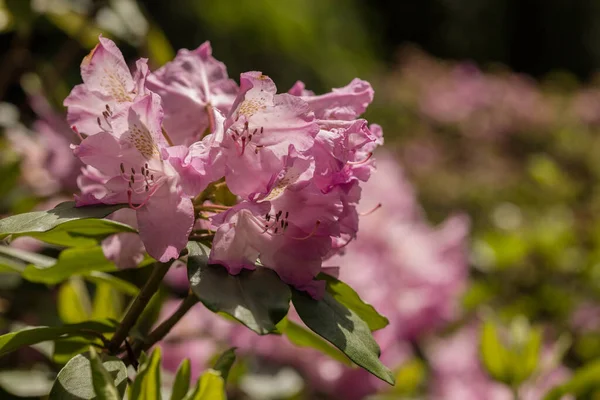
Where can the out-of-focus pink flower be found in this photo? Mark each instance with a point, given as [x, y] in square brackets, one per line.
[424, 269]
[586, 106]
[199, 336]
[191, 86]
[586, 318]
[129, 156]
[457, 372]
[108, 86]
[482, 105]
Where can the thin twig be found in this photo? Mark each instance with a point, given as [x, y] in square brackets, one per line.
[165, 327]
[141, 301]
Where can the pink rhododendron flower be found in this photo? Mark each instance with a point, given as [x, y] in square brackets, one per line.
[129, 156]
[191, 86]
[108, 86]
[262, 131]
[125, 249]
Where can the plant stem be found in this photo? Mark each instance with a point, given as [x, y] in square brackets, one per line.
[159, 271]
[515, 391]
[165, 327]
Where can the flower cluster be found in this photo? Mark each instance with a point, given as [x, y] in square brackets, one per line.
[156, 140]
[411, 272]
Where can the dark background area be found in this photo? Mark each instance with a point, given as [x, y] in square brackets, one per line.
[530, 36]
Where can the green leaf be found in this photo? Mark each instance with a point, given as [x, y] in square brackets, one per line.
[344, 329]
[43, 221]
[182, 381]
[27, 337]
[493, 353]
[582, 384]
[9, 265]
[78, 27]
[114, 282]
[225, 362]
[74, 261]
[258, 299]
[210, 386]
[26, 383]
[303, 337]
[73, 302]
[69, 347]
[348, 297]
[27, 256]
[524, 360]
[102, 381]
[80, 379]
[159, 48]
[147, 381]
[82, 232]
[107, 303]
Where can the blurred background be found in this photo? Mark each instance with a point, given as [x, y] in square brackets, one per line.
[489, 180]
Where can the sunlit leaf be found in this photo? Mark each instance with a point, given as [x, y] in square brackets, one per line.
[210, 386]
[43, 221]
[74, 302]
[26, 256]
[303, 337]
[78, 233]
[493, 353]
[147, 382]
[348, 297]
[344, 329]
[104, 386]
[74, 261]
[258, 299]
[111, 280]
[182, 381]
[78, 379]
[107, 303]
[27, 337]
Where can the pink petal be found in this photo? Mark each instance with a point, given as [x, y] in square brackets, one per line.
[165, 223]
[187, 85]
[104, 71]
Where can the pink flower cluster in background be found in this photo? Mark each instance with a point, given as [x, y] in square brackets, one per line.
[156, 140]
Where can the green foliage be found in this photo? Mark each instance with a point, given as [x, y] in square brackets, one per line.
[258, 299]
[211, 385]
[584, 384]
[116, 283]
[300, 336]
[43, 221]
[70, 262]
[87, 376]
[344, 329]
[225, 362]
[26, 383]
[102, 381]
[147, 382]
[29, 336]
[74, 302]
[514, 360]
[182, 381]
[347, 296]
